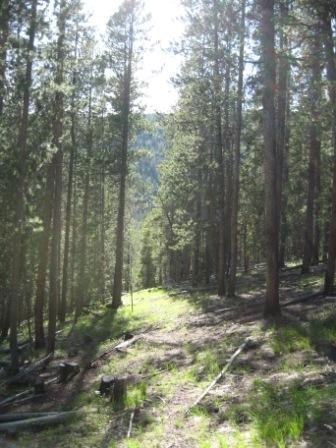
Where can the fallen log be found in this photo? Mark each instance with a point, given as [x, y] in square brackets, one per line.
[15, 397]
[25, 372]
[24, 416]
[119, 347]
[246, 344]
[123, 345]
[21, 348]
[14, 426]
[303, 299]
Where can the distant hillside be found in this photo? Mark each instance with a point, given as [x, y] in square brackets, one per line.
[149, 147]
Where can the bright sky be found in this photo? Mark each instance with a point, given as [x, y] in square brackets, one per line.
[158, 65]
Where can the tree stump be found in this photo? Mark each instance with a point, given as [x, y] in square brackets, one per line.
[119, 393]
[39, 386]
[106, 385]
[67, 370]
[128, 336]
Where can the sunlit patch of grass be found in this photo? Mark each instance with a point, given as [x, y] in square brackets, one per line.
[279, 414]
[323, 331]
[311, 280]
[288, 340]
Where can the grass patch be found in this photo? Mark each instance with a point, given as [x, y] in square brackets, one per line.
[288, 340]
[279, 415]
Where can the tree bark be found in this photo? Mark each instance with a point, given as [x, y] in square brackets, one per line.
[331, 74]
[272, 307]
[4, 33]
[63, 305]
[283, 131]
[118, 272]
[43, 260]
[220, 157]
[314, 150]
[57, 161]
[82, 282]
[236, 168]
[18, 250]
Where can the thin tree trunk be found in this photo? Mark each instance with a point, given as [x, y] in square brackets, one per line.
[18, 251]
[43, 260]
[220, 156]
[82, 281]
[331, 74]
[102, 237]
[73, 248]
[118, 273]
[73, 148]
[236, 168]
[4, 32]
[57, 161]
[62, 311]
[314, 150]
[272, 307]
[317, 208]
[282, 125]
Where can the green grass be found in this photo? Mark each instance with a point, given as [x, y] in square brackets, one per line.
[288, 340]
[266, 417]
[277, 415]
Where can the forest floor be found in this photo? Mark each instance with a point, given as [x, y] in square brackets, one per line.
[278, 393]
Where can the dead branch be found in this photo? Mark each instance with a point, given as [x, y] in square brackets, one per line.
[235, 355]
[129, 432]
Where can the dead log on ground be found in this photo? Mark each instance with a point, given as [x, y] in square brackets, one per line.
[14, 426]
[119, 347]
[15, 397]
[123, 345]
[16, 416]
[41, 363]
[303, 299]
[246, 344]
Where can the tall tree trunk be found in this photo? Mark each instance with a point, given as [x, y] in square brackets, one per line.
[18, 250]
[73, 148]
[43, 260]
[4, 32]
[220, 155]
[314, 150]
[272, 307]
[54, 290]
[63, 305]
[317, 208]
[73, 248]
[102, 237]
[282, 125]
[82, 281]
[197, 243]
[331, 74]
[236, 167]
[118, 272]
